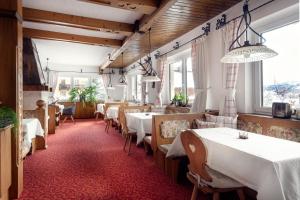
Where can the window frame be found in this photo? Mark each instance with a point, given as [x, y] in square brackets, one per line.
[272, 24]
[72, 77]
[183, 57]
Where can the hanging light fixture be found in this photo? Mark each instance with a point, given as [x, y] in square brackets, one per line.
[150, 74]
[247, 52]
[110, 86]
[122, 80]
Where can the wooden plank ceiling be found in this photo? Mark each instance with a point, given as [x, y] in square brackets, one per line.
[181, 17]
[168, 19]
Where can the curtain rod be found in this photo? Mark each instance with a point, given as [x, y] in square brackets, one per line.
[206, 33]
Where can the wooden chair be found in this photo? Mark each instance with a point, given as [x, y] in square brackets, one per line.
[205, 179]
[108, 121]
[69, 112]
[126, 132]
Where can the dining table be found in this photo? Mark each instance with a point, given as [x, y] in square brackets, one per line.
[269, 165]
[141, 122]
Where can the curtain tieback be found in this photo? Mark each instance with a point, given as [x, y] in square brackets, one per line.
[200, 90]
[229, 92]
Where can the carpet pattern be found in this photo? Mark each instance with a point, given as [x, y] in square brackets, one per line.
[83, 162]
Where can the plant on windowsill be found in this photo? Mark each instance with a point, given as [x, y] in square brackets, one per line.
[7, 117]
[180, 100]
[84, 95]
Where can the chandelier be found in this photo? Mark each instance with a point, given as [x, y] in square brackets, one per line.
[247, 52]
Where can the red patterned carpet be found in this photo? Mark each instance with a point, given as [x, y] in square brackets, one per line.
[83, 162]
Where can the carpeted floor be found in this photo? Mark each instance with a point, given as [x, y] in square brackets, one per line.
[83, 162]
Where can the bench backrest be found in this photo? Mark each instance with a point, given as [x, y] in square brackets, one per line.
[157, 120]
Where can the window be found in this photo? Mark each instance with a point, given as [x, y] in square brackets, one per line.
[279, 76]
[64, 87]
[181, 76]
[66, 83]
[136, 88]
[176, 78]
[190, 80]
[81, 82]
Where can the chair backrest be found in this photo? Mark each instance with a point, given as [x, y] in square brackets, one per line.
[196, 152]
[126, 109]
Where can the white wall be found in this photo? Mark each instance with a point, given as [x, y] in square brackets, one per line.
[216, 76]
[31, 97]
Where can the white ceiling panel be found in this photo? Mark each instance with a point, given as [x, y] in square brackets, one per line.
[71, 54]
[71, 30]
[75, 7]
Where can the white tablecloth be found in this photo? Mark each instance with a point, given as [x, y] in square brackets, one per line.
[268, 165]
[141, 123]
[100, 108]
[112, 112]
[31, 128]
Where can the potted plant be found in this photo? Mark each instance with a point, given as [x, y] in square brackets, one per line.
[85, 99]
[85, 95]
[7, 117]
[180, 99]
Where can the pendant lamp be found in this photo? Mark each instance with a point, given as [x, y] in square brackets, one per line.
[247, 52]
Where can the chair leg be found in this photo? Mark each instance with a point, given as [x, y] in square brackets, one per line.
[126, 139]
[216, 196]
[72, 118]
[130, 138]
[65, 119]
[195, 193]
[241, 194]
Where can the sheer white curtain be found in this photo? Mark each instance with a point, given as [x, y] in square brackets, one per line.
[53, 79]
[105, 79]
[161, 66]
[199, 66]
[228, 103]
[144, 92]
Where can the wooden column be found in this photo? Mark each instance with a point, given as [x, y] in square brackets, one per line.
[5, 162]
[11, 79]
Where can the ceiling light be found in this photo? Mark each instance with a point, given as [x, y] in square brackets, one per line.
[247, 52]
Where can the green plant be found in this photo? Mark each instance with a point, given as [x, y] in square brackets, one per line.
[86, 95]
[180, 99]
[7, 116]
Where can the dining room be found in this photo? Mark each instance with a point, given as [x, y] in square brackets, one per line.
[154, 99]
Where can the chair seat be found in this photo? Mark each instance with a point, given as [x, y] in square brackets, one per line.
[147, 139]
[164, 148]
[219, 180]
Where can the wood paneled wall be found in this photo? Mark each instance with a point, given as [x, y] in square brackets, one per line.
[11, 78]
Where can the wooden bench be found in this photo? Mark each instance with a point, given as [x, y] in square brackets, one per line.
[159, 144]
[42, 115]
[288, 129]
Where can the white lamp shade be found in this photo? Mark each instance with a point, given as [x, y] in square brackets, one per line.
[150, 79]
[247, 54]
